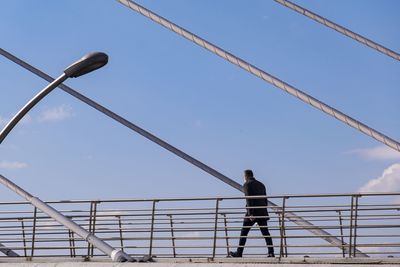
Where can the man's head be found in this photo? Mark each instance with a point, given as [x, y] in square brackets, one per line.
[248, 174]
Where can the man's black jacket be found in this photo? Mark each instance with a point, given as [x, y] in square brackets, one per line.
[255, 188]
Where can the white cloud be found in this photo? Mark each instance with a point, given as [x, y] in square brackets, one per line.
[377, 153]
[56, 114]
[388, 182]
[12, 165]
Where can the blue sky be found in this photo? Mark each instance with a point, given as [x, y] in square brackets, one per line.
[198, 102]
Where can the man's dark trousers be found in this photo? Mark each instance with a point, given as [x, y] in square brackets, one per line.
[247, 224]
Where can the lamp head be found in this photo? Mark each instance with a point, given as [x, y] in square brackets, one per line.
[86, 64]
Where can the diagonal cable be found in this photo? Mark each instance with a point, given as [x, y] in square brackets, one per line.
[264, 75]
[341, 29]
[289, 215]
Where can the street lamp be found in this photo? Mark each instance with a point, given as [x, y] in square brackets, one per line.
[86, 64]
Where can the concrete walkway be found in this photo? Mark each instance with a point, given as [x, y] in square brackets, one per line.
[219, 262]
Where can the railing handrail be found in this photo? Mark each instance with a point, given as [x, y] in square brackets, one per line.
[287, 196]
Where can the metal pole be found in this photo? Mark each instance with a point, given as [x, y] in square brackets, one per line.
[10, 125]
[71, 243]
[121, 238]
[226, 234]
[23, 236]
[152, 227]
[215, 228]
[308, 99]
[355, 36]
[355, 227]
[290, 216]
[94, 224]
[172, 235]
[351, 226]
[280, 233]
[116, 255]
[281, 252]
[33, 230]
[86, 64]
[90, 227]
[285, 241]
[341, 233]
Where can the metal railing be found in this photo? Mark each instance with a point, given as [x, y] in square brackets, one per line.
[207, 227]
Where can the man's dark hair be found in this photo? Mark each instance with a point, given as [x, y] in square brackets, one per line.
[248, 173]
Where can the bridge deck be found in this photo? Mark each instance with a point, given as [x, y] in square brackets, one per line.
[248, 262]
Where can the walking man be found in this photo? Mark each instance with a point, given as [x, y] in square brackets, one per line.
[256, 213]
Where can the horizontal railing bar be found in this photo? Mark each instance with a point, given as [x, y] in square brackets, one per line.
[47, 229]
[193, 213]
[205, 238]
[213, 198]
[360, 216]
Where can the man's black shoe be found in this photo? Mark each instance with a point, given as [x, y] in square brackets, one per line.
[235, 254]
[271, 255]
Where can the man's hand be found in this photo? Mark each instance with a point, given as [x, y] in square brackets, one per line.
[251, 217]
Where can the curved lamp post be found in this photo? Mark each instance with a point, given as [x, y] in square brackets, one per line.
[81, 67]
[86, 64]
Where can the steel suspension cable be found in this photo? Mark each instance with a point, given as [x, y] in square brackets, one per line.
[340, 29]
[264, 75]
[289, 215]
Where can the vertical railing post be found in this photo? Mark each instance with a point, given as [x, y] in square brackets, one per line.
[90, 227]
[215, 227]
[172, 234]
[121, 238]
[355, 226]
[71, 237]
[226, 234]
[70, 243]
[94, 225]
[33, 231]
[282, 229]
[152, 227]
[351, 226]
[285, 247]
[341, 232]
[23, 236]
